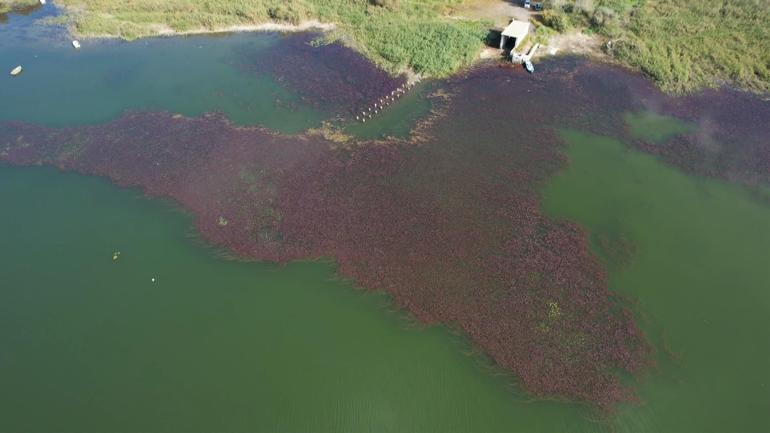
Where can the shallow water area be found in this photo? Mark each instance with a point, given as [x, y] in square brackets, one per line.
[396, 119]
[187, 75]
[654, 127]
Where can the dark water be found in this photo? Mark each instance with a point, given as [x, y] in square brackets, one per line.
[216, 345]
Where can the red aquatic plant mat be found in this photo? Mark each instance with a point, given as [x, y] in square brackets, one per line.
[730, 134]
[447, 222]
[330, 77]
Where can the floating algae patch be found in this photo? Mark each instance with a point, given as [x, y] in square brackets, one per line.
[730, 141]
[699, 272]
[330, 77]
[728, 135]
[654, 127]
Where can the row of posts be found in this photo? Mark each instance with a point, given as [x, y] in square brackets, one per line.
[384, 102]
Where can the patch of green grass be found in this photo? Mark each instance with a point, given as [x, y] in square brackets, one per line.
[683, 45]
[14, 5]
[395, 34]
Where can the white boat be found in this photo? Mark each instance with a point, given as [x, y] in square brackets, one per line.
[76, 44]
[529, 66]
[16, 71]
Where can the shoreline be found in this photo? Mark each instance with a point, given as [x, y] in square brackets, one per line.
[450, 34]
[165, 31]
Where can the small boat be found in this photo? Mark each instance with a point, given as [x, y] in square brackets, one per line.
[529, 67]
[16, 71]
[76, 44]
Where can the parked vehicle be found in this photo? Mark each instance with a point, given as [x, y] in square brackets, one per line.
[527, 4]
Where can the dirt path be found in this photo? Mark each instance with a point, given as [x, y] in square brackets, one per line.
[573, 43]
[499, 12]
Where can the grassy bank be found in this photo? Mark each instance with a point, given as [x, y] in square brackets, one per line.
[681, 44]
[14, 5]
[395, 34]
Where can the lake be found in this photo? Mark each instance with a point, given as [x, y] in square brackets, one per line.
[175, 336]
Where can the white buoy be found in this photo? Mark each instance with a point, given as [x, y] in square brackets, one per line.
[16, 71]
[76, 44]
[153, 279]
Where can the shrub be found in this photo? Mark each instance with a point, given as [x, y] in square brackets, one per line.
[556, 20]
[387, 4]
[602, 16]
[284, 13]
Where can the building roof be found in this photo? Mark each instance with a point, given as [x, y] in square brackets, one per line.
[516, 29]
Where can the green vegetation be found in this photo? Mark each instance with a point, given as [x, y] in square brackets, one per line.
[681, 44]
[395, 34]
[14, 5]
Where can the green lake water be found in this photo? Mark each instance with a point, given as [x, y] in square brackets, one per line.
[700, 272]
[88, 344]
[191, 75]
[654, 127]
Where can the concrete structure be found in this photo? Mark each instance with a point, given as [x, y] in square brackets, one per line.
[514, 34]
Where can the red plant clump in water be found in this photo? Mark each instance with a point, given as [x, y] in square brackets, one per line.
[447, 223]
[327, 76]
[731, 141]
[731, 137]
